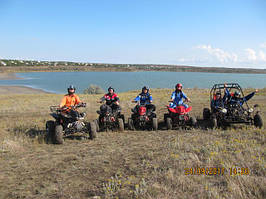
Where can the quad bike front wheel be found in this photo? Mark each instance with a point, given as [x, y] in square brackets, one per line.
[97, 125]
[58, 136]
[206, 113]
[214, 123]
[130, 124]
[93, 130]
[155, 124]
[121, 124]
[258, 121]
[169, 123]
[50, 131]
[193, 121]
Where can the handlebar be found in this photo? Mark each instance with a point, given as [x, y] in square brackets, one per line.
[58, 108]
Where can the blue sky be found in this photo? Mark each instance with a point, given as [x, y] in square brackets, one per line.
[226, 33]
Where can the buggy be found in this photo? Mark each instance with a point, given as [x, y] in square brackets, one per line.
[231, 113]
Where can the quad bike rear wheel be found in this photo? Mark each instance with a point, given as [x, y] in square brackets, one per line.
[121, 124]
[258, 121]
[50, 131]
[58, 136]
[206, 113]
[165, 116]
[155, 124]
[93, 130]
[169, 123]
[130, 124]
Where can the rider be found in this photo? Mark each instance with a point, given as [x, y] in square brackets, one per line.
[177, 97]
[218, 101]
[112, 100]
[236, 97]
[144, 98]
[69, 100]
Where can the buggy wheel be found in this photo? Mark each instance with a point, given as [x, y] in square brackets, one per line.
[130, 124]
[50, 131]
[58, 136]
[258, 121]
[93, 130]
[97, 125]
[155, 124]
[206, 113]
[193, 121]
[169, 123]
[121, 124]
[213, 122]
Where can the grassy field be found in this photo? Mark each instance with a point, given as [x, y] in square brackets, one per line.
[132, 164]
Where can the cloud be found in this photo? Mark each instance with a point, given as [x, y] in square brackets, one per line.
[262, 56]
[221, 55]
[263, 45]
[251, 54]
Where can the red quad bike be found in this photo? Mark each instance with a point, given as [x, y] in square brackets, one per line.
[142, 119]
[67, 126]
[179, 117]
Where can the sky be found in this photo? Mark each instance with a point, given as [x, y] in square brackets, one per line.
[221, 33]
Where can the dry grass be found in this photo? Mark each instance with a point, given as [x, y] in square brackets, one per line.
[143, 164]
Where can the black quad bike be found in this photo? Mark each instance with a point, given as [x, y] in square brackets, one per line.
[142, 118]
[179, 117]
[109, 120]
[231, 113]
[68, 125]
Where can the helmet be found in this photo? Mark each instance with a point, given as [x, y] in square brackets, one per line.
[71, 87]
[110, 87]
[179, 86]
[237, 94]
[145, 88]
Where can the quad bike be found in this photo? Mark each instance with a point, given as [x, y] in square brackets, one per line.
[179, 117]
[232, 113]
[65, 125]
[109, 120]
[142, 118]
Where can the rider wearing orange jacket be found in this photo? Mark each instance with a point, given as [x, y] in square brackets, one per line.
[69, 100]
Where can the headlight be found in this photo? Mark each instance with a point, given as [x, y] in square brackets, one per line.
[224, 110]
[250, 110]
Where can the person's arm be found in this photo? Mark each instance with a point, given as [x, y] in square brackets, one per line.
[185, 97]
[137, 98]
[63, 102]
[173, 97]
[77, 100]
[150, 98]
[248, 97]
[102, 99]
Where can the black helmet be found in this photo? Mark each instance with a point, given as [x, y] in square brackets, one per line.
[145, 88]
[71, 87]
[111, 88]
[237, 94]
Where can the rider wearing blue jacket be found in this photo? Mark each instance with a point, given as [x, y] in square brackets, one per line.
[235, 99]
[145, 99]
[177, 97]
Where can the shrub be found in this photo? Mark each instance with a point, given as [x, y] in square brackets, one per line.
[93, 89]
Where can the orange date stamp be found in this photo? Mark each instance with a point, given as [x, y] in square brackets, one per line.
[217, 171]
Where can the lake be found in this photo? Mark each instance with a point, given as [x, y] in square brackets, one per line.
[57, 82]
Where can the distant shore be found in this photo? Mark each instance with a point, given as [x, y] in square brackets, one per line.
[6, 90]
[128, 68]
[7, 76]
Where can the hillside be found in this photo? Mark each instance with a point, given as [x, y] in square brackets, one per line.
[132, 164]
[33, 65]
